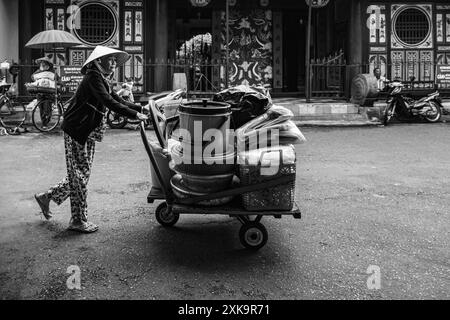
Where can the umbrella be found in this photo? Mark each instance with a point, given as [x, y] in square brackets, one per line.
[52, 40]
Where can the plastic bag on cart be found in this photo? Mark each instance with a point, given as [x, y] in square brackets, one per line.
[263, 156]
[291, 134]
[265, 130]
[246, 102]
[274, 115]
[285, 133]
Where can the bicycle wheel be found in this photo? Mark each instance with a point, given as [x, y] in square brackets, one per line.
[46, 115]
[12, 113]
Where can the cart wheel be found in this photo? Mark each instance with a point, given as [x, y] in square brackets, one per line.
[164, 217]
[253, 235]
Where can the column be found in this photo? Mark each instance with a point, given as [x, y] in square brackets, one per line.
[354, 43]
[9, 30]
[161, 44]
[31, 17]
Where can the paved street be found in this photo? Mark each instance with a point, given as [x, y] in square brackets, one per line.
[370, 196]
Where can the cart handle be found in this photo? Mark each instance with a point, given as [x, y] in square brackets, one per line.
[168, 130]
[154, 113]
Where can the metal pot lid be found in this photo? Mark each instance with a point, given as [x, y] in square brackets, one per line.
[205, 107]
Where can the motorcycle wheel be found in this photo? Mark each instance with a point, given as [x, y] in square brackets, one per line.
[388, 114]
[436, 114]
[115, 120]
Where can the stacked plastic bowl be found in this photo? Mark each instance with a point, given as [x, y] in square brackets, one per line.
[204, 159]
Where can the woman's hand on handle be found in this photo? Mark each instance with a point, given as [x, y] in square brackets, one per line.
[141, 116]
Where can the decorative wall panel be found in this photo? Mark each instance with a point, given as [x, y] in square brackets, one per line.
[60, 59]
[250, 47]
[216, 49]
[383, 28]
[49, 19]
[77, 57]
[60, 18]
[412, 66]
[133, 35]
[380, 61]
[439, 28]
[426, 66]
[447, 27]
[128, 37]
[397, 58]
[277, 50]
[443, 58]
[376, 22]
[138, 26]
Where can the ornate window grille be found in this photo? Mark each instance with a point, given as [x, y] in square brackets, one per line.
[98, 24]
[412, 26]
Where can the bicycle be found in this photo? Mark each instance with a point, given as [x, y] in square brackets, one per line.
[48, 111]
[12, 112]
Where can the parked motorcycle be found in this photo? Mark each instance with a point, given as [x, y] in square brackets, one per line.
[115, 120]
[404, 107]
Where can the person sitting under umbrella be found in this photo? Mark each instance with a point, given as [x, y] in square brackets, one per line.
[44, 77]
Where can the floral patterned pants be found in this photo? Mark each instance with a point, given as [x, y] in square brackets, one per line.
[79, 160]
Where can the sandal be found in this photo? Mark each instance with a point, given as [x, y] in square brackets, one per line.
[45, 208]
[82, 226]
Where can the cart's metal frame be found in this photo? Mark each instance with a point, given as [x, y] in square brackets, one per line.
[252, 234]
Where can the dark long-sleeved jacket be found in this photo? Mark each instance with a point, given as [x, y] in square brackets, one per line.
[88, 106]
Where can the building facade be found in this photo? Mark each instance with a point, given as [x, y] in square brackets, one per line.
[408, 40]
[266, 40]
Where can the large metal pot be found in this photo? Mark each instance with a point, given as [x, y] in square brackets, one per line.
[205, 166]
[199, 117]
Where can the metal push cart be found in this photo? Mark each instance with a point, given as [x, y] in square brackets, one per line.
[252, 234]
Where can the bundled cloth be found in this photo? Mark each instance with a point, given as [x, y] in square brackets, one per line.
[246, 102]
[42, 83]
[264, 157]
[43, 79]
[269, 129]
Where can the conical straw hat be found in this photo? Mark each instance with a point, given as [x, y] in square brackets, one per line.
[101, 51]
[46, 59]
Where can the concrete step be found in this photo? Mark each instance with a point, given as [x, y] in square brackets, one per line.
[322, 110]
[337, 123]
